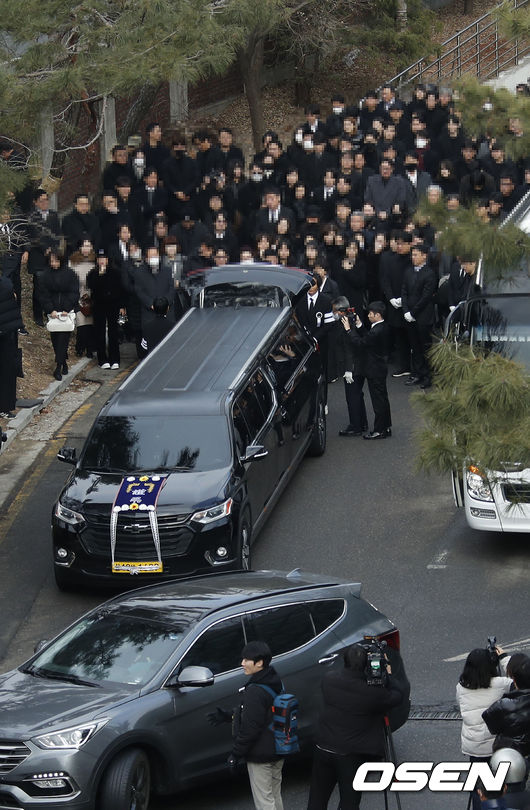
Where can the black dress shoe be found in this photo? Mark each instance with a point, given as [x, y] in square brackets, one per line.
[7, 415]
[413, 380]
[64, 368]
[57, 373]
[401, 374]
[23, 331]
[375, 434]
[349, 431]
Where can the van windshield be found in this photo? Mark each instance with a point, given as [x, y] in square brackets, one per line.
[129, 444]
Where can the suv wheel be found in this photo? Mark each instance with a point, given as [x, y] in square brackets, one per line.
[317, 446]
[245, 531]
[126, 784]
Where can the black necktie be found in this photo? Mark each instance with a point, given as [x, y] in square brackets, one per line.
[312, 305]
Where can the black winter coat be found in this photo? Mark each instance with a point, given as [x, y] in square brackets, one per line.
[372, 346]
[10, 319]
[106, 288]
[351, 721]
[253, 739]
[509, 719]
[59, 290]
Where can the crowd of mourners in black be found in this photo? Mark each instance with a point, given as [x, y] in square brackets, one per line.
[339, 200]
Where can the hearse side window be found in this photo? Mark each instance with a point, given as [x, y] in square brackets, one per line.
[325, 612]
[283, 628]
[218, 648]
[288, 352]
[263, 392]
[248, 414]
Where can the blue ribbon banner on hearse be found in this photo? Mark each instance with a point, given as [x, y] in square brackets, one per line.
[138, 494]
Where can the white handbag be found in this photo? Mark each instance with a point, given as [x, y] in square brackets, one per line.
[62, 323]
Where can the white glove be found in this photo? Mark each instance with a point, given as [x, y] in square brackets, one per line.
[409, 318]
[451, 309]
[348, 376]
[394, 303]
[398, 301]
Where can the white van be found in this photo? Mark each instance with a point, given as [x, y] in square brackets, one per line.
[499, 320]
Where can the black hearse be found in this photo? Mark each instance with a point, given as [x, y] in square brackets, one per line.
[185, 461]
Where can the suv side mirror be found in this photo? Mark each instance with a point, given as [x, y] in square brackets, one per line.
[254, 451]
[40, 644]
[68, 454]
[192, 676]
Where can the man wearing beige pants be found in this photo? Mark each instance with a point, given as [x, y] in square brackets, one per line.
[253, 738]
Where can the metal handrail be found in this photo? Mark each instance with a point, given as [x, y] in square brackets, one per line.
[476, 49]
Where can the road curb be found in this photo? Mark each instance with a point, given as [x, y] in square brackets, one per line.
[24, 417]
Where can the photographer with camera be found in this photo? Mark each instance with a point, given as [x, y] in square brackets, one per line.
[479, 686]
[351, 726]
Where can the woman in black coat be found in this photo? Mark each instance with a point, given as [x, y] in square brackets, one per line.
[104, 282]
[10, 323]
[129, 271]
[352, 277]
[59, 294]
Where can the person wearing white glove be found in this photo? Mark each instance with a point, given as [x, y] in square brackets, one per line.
[418, 292]
[395, 303]
[347, 364]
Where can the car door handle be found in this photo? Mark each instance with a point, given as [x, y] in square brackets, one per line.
[328, 658]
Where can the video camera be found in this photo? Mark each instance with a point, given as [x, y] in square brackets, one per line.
[376, 674]
[492, 650]
[349, 312]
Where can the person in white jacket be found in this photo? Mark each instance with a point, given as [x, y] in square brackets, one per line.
[480, 686]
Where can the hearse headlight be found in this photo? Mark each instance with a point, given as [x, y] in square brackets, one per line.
[477, 484]
[214, 513]
[73, 737]
[68, 515]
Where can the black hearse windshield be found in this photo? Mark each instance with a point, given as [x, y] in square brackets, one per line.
[129, 444]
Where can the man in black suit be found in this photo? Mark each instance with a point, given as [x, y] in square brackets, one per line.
[373, 346]
[315, 312]
[462, 281]
[81, 224]
[267, 218]
[416, 182]
[417, 300]
[181, 178]
[44, 232]
[147, 200]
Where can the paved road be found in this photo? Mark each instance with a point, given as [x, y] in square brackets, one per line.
[361, 511]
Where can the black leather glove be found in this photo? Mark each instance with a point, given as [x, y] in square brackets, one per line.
[219, 716]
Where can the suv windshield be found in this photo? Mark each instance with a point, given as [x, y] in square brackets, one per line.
[113, 646]
[132, 443]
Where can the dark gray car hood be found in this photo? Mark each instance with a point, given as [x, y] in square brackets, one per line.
[30, 705]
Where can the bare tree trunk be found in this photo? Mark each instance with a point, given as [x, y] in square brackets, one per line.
[401, 14]
[138, 110]
[251, 65]
[469, 7]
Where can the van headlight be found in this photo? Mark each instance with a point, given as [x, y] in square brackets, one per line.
[73, 737]
[68, 515]
[477, 484]
[214, 513]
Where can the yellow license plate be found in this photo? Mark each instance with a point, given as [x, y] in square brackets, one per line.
[137, 567]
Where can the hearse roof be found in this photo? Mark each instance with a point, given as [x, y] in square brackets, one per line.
[202, 358]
